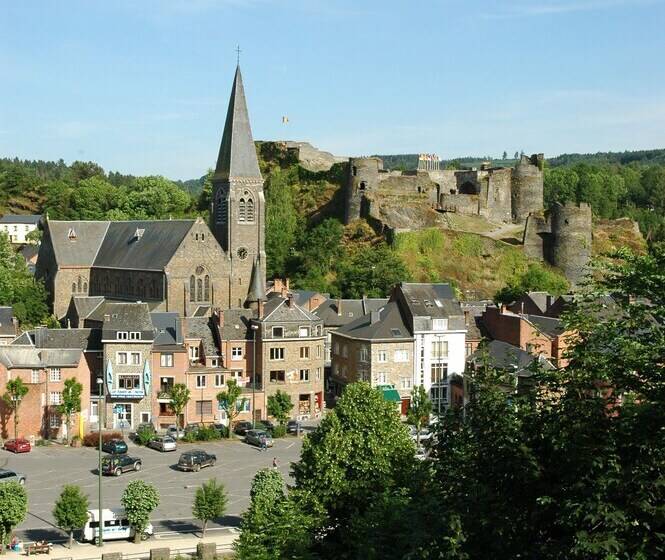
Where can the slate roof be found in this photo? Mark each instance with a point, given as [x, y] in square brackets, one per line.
[168, 329]
[237, 324]
[83, 339]
[430, 300]
[81, 251]
[7, 326]
[202, 328]
[33, 219]
[86, 305]
[29, 357]
[548, 325]
[385, 324]
[237, 154]
[474, 318]
[276, 309]
[127, 317]
[352, 309]
[504, 356]
[121, 248]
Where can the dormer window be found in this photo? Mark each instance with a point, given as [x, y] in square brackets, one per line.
[440, 324]
[122, 335]
[71, 234]
[134, 335]
[138, 234]
[278, 332]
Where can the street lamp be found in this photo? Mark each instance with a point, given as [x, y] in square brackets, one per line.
[100, 414]
[255, 328]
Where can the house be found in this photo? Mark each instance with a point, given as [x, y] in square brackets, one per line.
[473, 319]
[18, 226]
[8, 325]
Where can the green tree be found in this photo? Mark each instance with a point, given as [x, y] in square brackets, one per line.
[16, 390]
[281, 220]
[517, 155]
[420, 408]
[178, 398]
[536, 278]
[139, 500]
[228, 400]
[209, 502]
[71, 510]
[505, 155]
[71, 402]
[13, 509]
[279, 406]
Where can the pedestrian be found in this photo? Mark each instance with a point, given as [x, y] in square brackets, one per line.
[274, 462]
[263, 442]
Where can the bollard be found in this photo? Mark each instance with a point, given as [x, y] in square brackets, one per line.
[160, 553]
[206, 551]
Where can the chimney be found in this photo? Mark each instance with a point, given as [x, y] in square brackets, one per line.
[466, 316]
[289, 300]
[107, 317]
[260, 309]
[339, 307]
[178, 331]
[374, 317]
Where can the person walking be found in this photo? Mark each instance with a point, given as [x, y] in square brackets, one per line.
[263, 442]
[274, 462]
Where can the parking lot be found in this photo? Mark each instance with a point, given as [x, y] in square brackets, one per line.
[49, 468]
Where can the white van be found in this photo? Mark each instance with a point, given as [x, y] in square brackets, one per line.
[116, 526]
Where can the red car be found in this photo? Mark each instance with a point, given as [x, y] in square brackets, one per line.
[19, 445]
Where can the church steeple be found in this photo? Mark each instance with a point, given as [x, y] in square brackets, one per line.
[237, 154]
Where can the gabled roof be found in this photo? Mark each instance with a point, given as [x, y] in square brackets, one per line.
[203, 328]
[168, 329]
[277, 309]
[143, 245]
[32, 219]
[539, 299]
[7, 326]
[504, 356]
[430, 300]
[82, 339]
[237, 324]
[237, 154]
[127, 317]
[29, 357]
[76, 243]
[385, 324]
[338, 312]
[86, 305]
[548, 325]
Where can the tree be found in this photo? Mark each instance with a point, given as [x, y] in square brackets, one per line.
[16, 390]
[209, 502]
[279, 406]
[179, 397]
[419, 409]
[228, 400]
[13, 509]
[139, 500]
[517, 155]
[504, 157]
[536, 278]
[281, 219]
[71, 402]
[71, 510]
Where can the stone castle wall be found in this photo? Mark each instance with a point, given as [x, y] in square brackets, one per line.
[570, 248]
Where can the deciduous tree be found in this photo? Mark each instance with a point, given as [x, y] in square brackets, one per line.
[139, 500]
[209, 502]
[16, 390]
[71, 402]
[420, 408]
[178, 398]
[228, 400]
[71, 510]
[279, 406]
[13, 509]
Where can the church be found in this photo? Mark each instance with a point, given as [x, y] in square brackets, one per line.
[182, 266]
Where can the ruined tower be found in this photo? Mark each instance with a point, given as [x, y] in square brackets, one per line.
[238, 209]
[363, 176]
[570, 242]
[527, 187]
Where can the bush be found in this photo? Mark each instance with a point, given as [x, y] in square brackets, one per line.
[92, 439]
[144, 435]
[189, 437]
[223, 431]
[279, 431]
[206, 433]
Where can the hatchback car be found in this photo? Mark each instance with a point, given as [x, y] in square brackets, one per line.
[266, 425]
[20, 445]
[163, 443]
[195, 460]
[243, 427]
[114, 447]
[253, 437]
[293, 427]
[7, 475]
[174, 432]
[118, 464]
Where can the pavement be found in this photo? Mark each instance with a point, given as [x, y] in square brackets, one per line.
[47, 469]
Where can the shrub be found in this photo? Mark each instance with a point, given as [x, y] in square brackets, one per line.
[206, 433]
[92, 439]
[144, 435]
[189, 437]
[279, 431]
[223, 431]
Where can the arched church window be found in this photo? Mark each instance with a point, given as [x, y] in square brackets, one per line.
[73, 287]
[78, 285]
[221, 208]
[192, 288]
[206, 288]
[199, 290]
[250, 210]
[85, 287]
[242, 211]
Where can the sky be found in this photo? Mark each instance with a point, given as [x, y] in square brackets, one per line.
[142, 86]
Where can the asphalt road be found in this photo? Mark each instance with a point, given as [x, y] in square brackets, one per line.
[48, 468]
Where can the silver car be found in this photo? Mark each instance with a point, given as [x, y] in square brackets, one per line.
[11, 476]
[163, 443]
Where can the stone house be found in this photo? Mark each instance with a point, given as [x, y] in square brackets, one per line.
[290, 355]
[17, 227]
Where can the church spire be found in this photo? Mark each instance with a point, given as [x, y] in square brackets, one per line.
[257, 289]
[237, 154]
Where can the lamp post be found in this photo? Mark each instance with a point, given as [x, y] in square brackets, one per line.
[255, 328]
[100, 414]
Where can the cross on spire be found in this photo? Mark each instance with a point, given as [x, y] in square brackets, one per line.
[238, 51]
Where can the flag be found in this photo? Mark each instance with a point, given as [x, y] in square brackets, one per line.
[285, 120]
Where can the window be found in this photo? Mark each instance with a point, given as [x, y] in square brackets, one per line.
[199, 289]
[55, 397]
[277, 376]
[55, 374]
[129, 382]
[214, 362]
[440, 324]
[192, 288]
[303, 332]
[134, 335]
[304, 375]
[405, 383]
[318, 374]
[304, 352]
[136, 358]
[121, 358]
[165, 409]
[166, 384]
[221, 207]
[439, 392]
[318, 351]
[439, 373]
[236, 353]
[203, 407]
[382, 357]
[166, 360]
[277, 353]
[380, 378]
[242, 210]
[200, 381]
[122, 335]
[219, 380]
[206, 288]
[193, 353]
[363, 354]
[34, 376]
[469, 349]
[278, 332]
[401, 355]
[145, 417]
[94, 410]
[250, 210]
[54, 421]
[439, 349]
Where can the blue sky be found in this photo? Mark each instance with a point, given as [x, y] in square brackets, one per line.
[141, 86]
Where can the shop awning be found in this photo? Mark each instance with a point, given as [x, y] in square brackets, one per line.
[390, 394]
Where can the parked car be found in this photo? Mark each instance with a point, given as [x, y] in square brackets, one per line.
[193, 427]
[163, 443]
[253, 437]
[293, 427]
[173, 432]
[20, 445]
[222, 430]
[243, 427]
[195, 460]
[146, 426]
[118, 464]
[11, 476]
[114, 447]
[266, 425]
